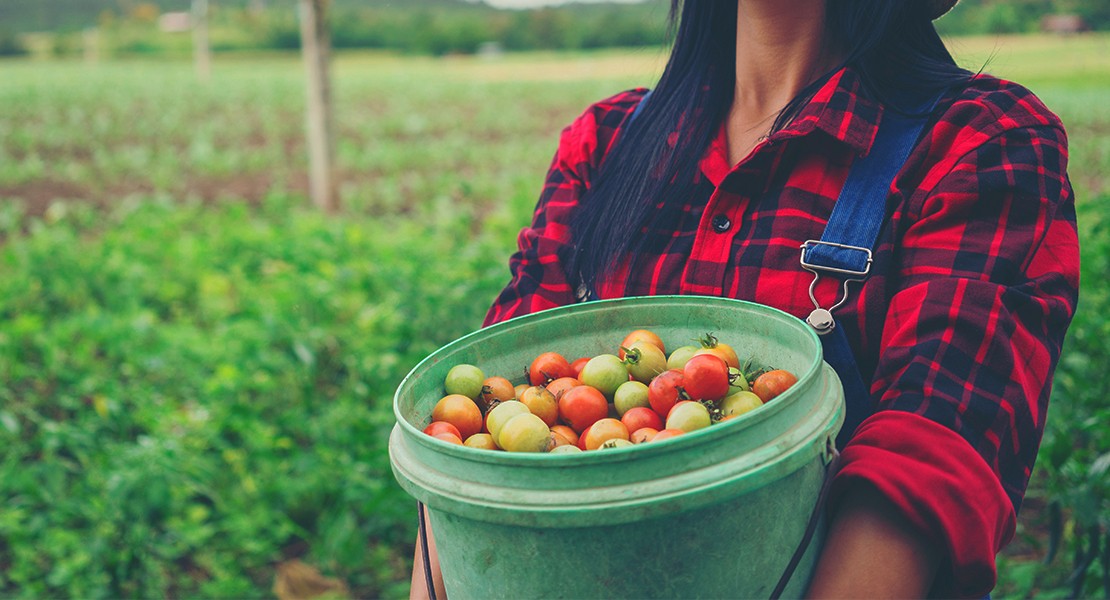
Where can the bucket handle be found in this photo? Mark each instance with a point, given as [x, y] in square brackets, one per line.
[424, 551]
[830, 457]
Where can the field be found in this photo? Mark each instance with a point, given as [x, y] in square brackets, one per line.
[196, 367]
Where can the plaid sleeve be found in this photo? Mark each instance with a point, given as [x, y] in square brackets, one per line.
[988, 275]
[538, 279]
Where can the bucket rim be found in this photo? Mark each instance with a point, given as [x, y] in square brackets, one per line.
[805, 380]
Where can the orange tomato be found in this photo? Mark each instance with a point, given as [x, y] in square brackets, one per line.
[561, 385]
[642, 335]
[773, 383]
[459, 411]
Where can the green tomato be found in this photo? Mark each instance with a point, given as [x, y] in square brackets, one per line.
[629, 395]
[524, 433]
[466, 380]
[678, 358]
[568, 449]
[736, 381]
[644, 361]
[604, 372]
[501, 414]
[689, 416]
[739, 403]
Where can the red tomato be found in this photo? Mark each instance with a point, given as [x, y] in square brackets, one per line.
[706, 377]
[643, 335]
[640, 417]
[577, 365]
[642, 435]
[438, 427]
[582, 406]
[449, 438]
[665, 390]
[773, 383]
[548, 367]
[581, 443]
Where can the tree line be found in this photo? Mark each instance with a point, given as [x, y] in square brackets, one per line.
[431, 26]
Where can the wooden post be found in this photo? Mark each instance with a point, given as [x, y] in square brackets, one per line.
[315, 46]
[202, 50]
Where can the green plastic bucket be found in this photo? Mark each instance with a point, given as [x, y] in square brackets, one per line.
[711, 514]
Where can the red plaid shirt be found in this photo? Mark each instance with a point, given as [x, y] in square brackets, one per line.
[974, 283]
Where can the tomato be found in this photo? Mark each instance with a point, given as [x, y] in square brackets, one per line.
[605, 372]
[565, 450]
[667, 434]
[678, 358]
[497, 389]
[548, 367]
[640, 417]
[482, 441]
[581, 443]
[603, 431]
[614, 443]
[518, 390]
[500, 414]
[561, 385]
[642, 435]
[773, 383]
[524, 433]
[644, 361]
[738, 403]
[541, 403]
[582, 406]
[706, 377]
[437, 427]
[557, 439]
[689, 416]
[736, 381]
[665, 390]
[630, 395]
[642, 335]
[577, 365]
[566, 432]
[459, 411]
[449, 438]
[711, 345]
[465, 380]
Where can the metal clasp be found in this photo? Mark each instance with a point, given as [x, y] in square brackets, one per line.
[821, 319]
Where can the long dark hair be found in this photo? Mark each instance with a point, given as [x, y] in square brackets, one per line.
[892, 45]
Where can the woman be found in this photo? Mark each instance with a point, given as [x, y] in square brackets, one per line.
[738, 157]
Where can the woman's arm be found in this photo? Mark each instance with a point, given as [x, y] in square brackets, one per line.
[419, 589]
[872, 551]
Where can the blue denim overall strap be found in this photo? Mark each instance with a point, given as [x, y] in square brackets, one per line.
[844, 250]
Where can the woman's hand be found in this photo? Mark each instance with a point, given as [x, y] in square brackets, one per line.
[872, 551]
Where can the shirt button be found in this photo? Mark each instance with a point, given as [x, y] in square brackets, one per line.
[721, 223]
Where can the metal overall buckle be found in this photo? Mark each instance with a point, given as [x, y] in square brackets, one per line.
[821, 319]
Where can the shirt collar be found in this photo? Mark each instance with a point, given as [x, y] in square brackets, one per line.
[839, 108]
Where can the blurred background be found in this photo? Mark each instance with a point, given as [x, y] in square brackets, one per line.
[200, 335]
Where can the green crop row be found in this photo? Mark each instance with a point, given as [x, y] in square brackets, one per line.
[192, 393]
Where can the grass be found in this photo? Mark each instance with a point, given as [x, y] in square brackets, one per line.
[196, 367]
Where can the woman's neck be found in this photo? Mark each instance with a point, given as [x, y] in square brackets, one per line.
[781, 47]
